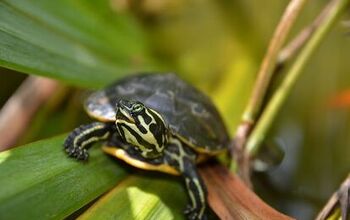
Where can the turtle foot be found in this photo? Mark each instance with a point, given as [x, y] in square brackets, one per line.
[194, 213]
[77, 153]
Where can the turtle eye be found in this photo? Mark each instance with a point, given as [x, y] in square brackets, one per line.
[137, 108]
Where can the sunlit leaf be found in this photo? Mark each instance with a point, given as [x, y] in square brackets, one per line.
[141, 197]
[38, 181]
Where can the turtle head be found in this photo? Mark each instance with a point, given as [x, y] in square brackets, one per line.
[141, 127]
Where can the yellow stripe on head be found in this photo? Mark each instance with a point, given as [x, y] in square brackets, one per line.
[142, 127]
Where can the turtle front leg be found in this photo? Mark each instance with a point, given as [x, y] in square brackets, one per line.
[82, 137]
[183, 159]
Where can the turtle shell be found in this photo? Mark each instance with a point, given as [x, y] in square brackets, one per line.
[190, 114]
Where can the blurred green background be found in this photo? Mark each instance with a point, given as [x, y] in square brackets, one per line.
[218, 47]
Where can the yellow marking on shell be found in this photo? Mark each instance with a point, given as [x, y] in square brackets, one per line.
[93, 139]
[85, 132]
[123, 155]
[201, 158]
[201, 149]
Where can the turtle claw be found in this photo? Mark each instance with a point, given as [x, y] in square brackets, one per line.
[188, 210]
[77, 153]
[82, 154]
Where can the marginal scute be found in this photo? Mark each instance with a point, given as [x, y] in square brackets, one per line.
[189, 113]
[123, 155]
[99, 107]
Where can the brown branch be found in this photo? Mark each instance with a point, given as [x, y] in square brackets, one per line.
[17, 112]
[230, 198]
[238, 151]
[340, 197]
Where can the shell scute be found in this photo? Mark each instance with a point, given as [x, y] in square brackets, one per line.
[189, 113]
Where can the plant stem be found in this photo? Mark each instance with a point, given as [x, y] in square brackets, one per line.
[21, 106]
[259, 132]
[259, 90]
[338, 204]
[269, 62]
[299, 41]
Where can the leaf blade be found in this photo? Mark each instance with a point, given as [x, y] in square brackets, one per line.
[76, 42]
[141, 197]
[40, 175]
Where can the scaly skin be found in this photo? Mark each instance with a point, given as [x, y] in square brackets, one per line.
[82, 137]
[176, 154]
[183, 159]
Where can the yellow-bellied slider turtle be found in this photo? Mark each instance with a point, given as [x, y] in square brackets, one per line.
[155, 122]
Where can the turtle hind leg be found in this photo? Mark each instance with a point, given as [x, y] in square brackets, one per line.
[82, 137]
[184, 160]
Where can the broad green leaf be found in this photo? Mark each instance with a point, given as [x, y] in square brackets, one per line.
[141, 197]
[81, 42]
[38, 181]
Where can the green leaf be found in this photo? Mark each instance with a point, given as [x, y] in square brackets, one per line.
[81, 42]
[38, 181]
[141, 197]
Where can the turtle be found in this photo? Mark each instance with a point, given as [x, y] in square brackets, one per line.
[155, 121]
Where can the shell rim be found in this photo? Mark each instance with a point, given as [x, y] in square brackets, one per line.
[124, 156]
[165, 168]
